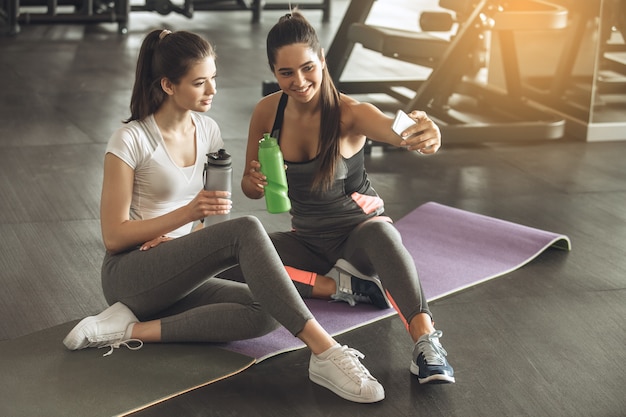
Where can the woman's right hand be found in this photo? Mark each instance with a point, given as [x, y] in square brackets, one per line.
[209, 203]
[154, 243]
[255, 177]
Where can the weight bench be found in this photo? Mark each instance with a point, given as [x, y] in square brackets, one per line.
[465, 107]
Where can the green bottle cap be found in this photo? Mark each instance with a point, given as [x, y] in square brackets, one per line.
[267, 141]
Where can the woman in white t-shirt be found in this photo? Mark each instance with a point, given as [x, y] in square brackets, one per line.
[158, 274]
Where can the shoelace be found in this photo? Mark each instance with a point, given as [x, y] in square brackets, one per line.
[132, 344]
[346, 293]
[432, 350]
[344, 289]
[350, 298]
[350, 364]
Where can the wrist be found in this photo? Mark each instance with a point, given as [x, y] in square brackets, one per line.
[250, 189]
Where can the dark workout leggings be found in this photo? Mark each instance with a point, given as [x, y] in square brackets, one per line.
[175, 282]
[374, 246]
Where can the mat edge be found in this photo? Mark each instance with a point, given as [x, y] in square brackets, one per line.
[204, 384]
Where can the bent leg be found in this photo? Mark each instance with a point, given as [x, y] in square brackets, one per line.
[217, 311]
[155, 280]
[303, 264]
[376, 247]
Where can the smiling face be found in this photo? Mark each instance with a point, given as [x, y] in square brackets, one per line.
[197, 87]
[298, 71]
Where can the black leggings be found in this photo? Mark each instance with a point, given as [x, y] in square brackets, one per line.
[375, 246]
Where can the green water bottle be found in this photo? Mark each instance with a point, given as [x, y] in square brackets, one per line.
[273, 167]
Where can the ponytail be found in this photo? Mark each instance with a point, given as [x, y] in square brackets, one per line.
[163, 54]
[294, 28]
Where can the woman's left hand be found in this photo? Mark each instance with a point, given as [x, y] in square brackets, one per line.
[154, 242]
[424, 136]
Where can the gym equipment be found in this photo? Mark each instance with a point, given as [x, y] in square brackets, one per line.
[466, 107]
[14, 12]
[588, 85]
[455, 94]
[64, 11]
[256, 6]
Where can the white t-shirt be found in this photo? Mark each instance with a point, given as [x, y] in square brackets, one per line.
[160, 186]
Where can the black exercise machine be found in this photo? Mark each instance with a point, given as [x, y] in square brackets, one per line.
[469, 109]
[255, 6]
[16, 12]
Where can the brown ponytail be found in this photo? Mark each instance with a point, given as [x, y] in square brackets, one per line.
[294, 28]
[163, 54]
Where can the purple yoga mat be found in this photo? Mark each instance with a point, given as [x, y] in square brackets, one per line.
[453, 249]
[335, 317]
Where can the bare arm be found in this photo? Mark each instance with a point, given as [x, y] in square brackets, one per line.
[120, 233]
[253, 180]
[366, 119]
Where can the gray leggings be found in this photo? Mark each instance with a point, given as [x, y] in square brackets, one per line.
[374, 246]
[175, 282]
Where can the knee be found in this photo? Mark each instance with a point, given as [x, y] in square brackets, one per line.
[380, 230]
[246, 226]
[252, 229]
[250, 223]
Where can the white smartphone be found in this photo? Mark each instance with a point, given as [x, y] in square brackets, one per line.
[401, 122]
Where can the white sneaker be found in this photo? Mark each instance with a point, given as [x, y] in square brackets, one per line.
[342, 373]
[107, 329]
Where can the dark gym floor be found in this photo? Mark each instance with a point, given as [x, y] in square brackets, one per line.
[548, 339]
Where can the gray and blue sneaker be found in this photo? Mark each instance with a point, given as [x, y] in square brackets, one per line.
[429, 360]
[355, 287]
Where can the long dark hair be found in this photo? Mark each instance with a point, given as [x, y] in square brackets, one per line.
[163, 54]
[294, 28]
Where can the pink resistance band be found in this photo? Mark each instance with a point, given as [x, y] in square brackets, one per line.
[304, 277]
[308, 278]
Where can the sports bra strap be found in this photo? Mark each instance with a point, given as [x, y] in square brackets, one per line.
[280, 113]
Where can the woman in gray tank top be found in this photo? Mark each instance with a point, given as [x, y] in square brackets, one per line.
[341, 245]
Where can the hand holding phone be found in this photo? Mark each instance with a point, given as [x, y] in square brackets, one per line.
[401, 122]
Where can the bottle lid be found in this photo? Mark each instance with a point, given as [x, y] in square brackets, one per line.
[220, 157]
[267, 141]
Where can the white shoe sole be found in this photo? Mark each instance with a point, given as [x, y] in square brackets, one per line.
[76, 338]
[433, 379]
[320, 380]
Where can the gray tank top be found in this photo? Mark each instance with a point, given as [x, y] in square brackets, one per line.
[350, 201]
